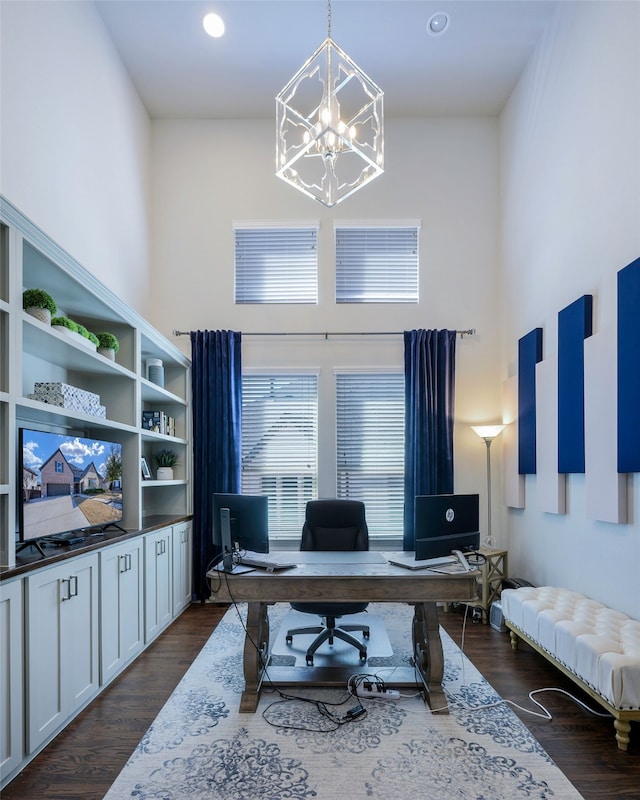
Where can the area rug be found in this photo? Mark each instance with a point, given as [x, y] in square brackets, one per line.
[199, 746]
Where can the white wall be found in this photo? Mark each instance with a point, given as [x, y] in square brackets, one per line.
[74, 140]
[570, 215]
[206, 174]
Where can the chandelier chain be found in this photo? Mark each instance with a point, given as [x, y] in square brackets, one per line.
[328, 19]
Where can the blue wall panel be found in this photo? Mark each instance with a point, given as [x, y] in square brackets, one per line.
[529, 353]
[574, 326]
[629, 368]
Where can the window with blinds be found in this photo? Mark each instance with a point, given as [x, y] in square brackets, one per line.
[376, 264]
[280, 446]
[276, 264]
[370, 447]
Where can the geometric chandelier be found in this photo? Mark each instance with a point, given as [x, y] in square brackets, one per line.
[329, 126]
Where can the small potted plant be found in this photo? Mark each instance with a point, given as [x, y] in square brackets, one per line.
[87, 337]
[108, 345]
[39, 304]
[165, 460]
[65, 323]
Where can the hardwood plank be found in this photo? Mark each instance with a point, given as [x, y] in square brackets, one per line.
[86, 757]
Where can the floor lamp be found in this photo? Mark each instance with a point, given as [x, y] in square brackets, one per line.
[488, 433]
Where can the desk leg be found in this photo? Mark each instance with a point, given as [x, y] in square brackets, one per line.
[427, 651]
[257, 636]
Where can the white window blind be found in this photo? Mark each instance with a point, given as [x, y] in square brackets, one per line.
[376, 264]
[280, 446]
[276, 264]
[370, 447]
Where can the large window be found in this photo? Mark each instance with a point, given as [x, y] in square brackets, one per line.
[276, 263]
[377, 263]
[280, 446]
[370, 447]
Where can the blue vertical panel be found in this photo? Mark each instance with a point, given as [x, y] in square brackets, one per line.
[529, 353]
[574, 326]
[629, 368]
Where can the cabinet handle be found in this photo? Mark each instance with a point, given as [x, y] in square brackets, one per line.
[123, 563]
[161, 547]
[73, 586]
[128, 562]
[68, 592]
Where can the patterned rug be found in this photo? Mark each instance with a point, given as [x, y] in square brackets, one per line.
[199, 746]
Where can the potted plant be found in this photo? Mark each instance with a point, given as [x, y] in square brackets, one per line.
[66, 323]
[39, 304]
[108, 345]
[88, 339]
[165, 460]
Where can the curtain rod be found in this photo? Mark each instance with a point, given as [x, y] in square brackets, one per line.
[327, 334]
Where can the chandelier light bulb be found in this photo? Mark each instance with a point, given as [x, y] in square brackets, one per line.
[213, 25]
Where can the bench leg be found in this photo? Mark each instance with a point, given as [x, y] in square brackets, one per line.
[514, 640]
[623, 729]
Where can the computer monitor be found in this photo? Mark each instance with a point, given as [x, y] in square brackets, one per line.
[248, 520]
[446, 522]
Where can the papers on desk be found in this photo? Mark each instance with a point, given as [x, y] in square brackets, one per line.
[408, 561]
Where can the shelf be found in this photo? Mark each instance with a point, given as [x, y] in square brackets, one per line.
[38, 338]
[32, 352]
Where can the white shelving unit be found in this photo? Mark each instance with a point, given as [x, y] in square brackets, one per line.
[32, 351]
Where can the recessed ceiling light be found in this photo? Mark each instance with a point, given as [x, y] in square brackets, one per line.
[213, 25]
[438, 24]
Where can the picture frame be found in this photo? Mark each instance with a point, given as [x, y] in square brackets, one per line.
[146, 472]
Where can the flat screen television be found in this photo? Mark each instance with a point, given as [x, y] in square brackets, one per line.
[69, 484]
[248, 520]
[446, 522]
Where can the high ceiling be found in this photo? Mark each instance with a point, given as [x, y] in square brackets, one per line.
[180, 72]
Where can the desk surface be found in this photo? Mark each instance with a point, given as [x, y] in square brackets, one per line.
[333, 577]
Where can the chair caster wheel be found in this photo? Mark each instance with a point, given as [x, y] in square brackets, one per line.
[363, 655]
[289, 639]
[365, 634]
[309, 661]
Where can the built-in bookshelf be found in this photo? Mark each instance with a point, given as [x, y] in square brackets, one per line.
[32, 351]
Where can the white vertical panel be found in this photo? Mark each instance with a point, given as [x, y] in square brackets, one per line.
[550, 485]
[513, 482]
[605, 488]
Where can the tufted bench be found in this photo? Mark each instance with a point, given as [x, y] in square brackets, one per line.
[597, 647]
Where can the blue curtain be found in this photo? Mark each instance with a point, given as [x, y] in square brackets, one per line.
[429, 380]
[216, 398]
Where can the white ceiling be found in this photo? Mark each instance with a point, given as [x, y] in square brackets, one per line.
[179, 71]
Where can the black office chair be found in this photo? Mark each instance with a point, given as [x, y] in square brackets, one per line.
[333, 525]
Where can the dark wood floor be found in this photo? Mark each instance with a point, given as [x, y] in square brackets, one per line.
[85, 758]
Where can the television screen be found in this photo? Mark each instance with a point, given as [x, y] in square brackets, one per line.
[68, 483]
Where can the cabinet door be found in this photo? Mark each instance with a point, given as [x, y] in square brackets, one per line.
[11, 685]
[62, 644]
[158, 602]
[121, 599]
[182, 569]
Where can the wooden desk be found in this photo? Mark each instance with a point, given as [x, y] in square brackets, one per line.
[342, 582]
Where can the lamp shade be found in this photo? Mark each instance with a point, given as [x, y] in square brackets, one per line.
[488, 431]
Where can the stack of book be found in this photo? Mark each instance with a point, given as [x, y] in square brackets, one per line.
[159, 422]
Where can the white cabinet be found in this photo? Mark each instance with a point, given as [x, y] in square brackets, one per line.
[158, 576]
[182, 566]
[121, 606]
[11, 683]
[61, 644]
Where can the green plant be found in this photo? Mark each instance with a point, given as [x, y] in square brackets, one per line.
[107, 341]
[166, 458]
[93, 338]
[82, 330]
[38, 298]
[65, 322]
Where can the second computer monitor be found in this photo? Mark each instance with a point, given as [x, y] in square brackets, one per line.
[248, 520]
[446, 522]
